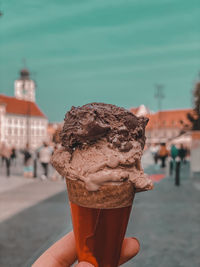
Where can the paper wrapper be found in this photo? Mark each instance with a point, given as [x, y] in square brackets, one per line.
[100, 220]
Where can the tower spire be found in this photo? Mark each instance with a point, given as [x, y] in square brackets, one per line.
[24, 86]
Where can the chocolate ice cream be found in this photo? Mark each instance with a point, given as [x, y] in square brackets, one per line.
[102, 145]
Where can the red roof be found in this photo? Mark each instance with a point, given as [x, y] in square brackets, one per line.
[21, 107]
[169, 119]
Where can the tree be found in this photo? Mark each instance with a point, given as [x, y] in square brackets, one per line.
[195, 117]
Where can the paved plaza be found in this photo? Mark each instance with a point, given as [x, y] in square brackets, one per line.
[166, 220]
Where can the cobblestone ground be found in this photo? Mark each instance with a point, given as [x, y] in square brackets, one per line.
[167, 223]
[165, 220]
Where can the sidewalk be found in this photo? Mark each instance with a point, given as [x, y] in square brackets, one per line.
[13, 182]
[18, 193]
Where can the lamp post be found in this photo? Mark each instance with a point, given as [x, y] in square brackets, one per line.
[28, 113]
[28, 130]
[159, 95]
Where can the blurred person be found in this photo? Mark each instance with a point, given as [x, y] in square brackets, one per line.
[182, 152]
[187, 157]
[1, 154]
[154, 151]
[6, 154]
[163, 154]
[28, 164]
[63, 253]
[173, 152]
[45, 153]
[13, 155]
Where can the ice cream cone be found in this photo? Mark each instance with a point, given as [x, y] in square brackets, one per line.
[100, 157]
[115, 195]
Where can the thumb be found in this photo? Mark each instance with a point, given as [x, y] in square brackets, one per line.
[84, 264]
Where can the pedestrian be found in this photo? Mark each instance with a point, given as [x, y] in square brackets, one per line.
[5, 152]
[28, 164]
[13, 155]
[154, 151]
[182, 152]
[174, 152]
[45, 153]
[163, 154]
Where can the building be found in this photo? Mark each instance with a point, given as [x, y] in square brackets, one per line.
[140, 111]
[21, 120]
[164, 126]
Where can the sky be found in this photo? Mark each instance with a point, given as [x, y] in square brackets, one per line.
[112, 51]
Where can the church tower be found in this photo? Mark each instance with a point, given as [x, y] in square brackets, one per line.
[25, 87]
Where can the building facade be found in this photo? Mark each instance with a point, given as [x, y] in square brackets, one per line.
[21, 120]
[164, 126]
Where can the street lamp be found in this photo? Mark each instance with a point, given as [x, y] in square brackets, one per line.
[159, 95]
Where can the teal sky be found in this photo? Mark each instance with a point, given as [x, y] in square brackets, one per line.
[112, 51]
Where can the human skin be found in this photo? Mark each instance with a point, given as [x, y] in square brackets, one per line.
[63, 253]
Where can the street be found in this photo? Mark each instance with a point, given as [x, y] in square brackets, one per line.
[166, 221]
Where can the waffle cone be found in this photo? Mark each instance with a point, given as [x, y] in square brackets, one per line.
[109, 196]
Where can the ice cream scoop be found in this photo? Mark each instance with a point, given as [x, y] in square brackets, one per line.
[102, 144]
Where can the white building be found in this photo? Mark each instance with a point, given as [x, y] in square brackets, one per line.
[21, 120]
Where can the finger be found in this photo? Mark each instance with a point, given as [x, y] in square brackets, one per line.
[84, 264]
[130, 249]
[61, 254]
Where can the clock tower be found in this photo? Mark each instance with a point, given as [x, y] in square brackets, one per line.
[25, 87]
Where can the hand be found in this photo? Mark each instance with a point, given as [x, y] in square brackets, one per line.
[63, 253]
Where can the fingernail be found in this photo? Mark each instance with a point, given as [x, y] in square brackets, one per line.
[134, 238]
[85, 264]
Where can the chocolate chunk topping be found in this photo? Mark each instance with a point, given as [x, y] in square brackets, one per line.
[91, 122]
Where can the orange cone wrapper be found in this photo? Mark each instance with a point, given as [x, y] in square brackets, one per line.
[99, 234]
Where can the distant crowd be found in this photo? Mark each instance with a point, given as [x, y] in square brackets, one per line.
[41, 155]
[161, 152]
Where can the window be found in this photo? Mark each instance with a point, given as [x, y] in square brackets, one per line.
[9, 131]
[173, 123]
